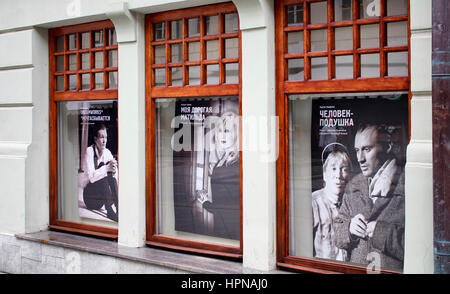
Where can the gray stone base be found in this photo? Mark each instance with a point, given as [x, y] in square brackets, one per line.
[19, 256]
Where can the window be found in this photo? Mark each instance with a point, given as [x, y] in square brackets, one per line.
[193, 130]
[83, 129]
[342, 75]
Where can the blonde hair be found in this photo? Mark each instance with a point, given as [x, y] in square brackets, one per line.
[233, 156]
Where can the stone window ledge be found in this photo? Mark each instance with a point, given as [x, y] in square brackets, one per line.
[153, 256]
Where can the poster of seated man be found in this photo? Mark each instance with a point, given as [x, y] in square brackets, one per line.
[98, 187]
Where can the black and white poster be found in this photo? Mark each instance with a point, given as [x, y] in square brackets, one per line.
[358, 146]
[206, 167]
[98, 170]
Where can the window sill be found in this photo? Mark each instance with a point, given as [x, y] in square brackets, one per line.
[153, 256]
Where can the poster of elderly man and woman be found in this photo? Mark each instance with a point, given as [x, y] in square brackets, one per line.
[358, 147]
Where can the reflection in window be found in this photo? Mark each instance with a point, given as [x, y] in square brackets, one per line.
[318, 12]
[342, 10]
[296, 69]
[176, 30]
[295, 42]
[344, 67]
[294, 15]
[369, 9]
[159, 31]
[319, 68]
[370, 65]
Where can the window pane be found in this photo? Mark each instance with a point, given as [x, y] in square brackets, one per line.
[73, 42]
[231, 23]
[60, 63]
[160, 54]
[194, 27]
[112, 58]
[175, 30]
[232, 48]
[370, 65]
[342, 10]
[112, 37]
[194, 51]
[85, 61]
[369, 8]
[370, 36]
[398, 64]
[112, 80]
[319, 40]
[99, 81]
[212, 25]
[72, 62]
[212, 49]
[295, 42]
[323, 136]
[193, 200]
[294, 15]
[232, 73]
[176, 53]
[212, 74]
[85, 40]
[85, 82]
[72, 82]
[160, 77]
[98, 39]
[86, 195]
[396, 7]
[60, 83]
[159, 33]
[397, 33]
[344, 67]
[318, 12]
[99, 59]
[319, 68]
[194, 75]
[343, 38]
[59, 44]
[177, 76]
[296, 69]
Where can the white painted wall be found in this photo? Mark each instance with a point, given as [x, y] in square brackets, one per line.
[23, 131]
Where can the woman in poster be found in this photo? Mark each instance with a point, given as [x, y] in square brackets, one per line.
[326, 201]
[224, 179]
[102, 173]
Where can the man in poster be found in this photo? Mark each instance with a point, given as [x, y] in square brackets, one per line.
[371, 218]
[98, 172]
[102, 173]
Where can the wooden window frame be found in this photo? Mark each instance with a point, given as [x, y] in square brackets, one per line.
[75, 95]
[284, 88]
[186, 91]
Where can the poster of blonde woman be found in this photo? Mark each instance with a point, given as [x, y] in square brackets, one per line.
[206, 169]
[358, 147]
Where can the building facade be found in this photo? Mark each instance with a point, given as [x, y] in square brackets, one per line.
[134, 65]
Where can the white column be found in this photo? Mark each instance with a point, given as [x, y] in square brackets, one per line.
[258, 109]
[419, 168]
[131, 104]
[24, 157]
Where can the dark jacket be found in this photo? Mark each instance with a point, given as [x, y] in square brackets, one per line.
[389, 212]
